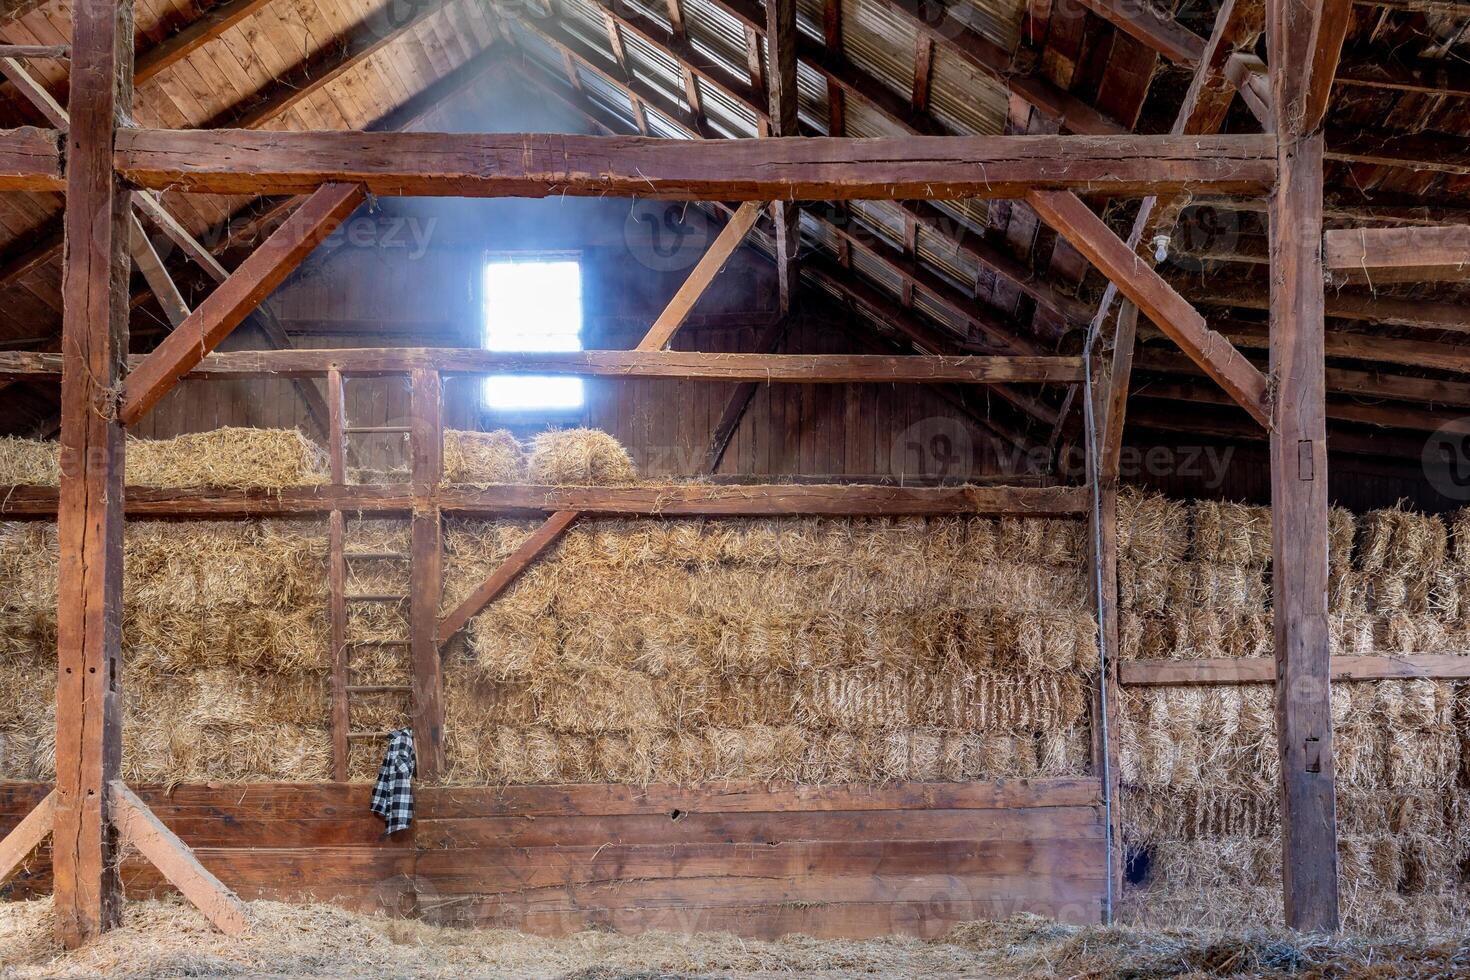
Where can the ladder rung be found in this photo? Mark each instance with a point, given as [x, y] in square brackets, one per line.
[375, 556]
[374, 597]
[360, 735]
[378, 688]
[377, 643]
[377, 428]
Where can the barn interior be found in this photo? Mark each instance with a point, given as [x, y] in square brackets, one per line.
[837, 467]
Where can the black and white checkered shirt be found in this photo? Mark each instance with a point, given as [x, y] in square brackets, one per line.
[393, 792]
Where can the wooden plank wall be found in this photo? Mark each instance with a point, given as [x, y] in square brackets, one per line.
[909, 858]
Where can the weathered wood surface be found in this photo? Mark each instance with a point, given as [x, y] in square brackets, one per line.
[671, 500]
[1172, 313]
[506, 573]
[827, 168]
[94, 339]
[228, 306]
[703, 273]
[769, 368]
[21, 840]
[426, 569]
[1385, 255]
[30, 160]
[140, 827]
[758, 860]
[1303, 42]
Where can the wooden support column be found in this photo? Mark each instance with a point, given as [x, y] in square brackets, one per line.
[426, 575]
[1299, 475]
[337, 577]
[1109, 403]
[781, 49]
[94, 345]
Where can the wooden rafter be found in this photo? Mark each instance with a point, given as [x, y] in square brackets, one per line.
[1173, 314]
[1385, 255]
[226, 307]
[709, 265]
[165, 290]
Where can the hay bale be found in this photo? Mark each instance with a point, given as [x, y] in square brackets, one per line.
[579, 457]
[1151, 527]
[29, 462]
[238, 458]
[483, 458]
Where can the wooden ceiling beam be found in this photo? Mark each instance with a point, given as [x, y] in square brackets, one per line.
[1340, 381]
[987, 369]
[1366, 307]
[30, 160]
[538, 165]
[1153, 29]
[1385, 255]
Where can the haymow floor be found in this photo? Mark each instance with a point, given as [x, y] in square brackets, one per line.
[169, 939]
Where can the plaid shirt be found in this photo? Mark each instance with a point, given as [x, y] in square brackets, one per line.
[393, 792]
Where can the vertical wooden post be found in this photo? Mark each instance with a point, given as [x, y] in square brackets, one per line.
[1109, 401]
[1299, 479]
[781, 52]
[337, 577]
[94, 345]
[427, 438]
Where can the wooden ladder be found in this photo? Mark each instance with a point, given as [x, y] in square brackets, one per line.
[339, 561]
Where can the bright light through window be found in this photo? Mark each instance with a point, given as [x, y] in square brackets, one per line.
[533, 305]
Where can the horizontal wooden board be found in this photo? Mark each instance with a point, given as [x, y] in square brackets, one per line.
[762, 828]
[763, 368]
[493, 870]
[745, 797]
[671, 500]
[1262, 670]
[226, 161]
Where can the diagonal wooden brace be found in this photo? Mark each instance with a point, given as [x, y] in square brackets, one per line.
[138, 826]
[27, 835]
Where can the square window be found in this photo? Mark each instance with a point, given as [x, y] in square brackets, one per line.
[532, 304]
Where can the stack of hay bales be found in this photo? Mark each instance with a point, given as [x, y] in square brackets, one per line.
[821, 651]
[237, 458]
[1199, 763]
[224, 651]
